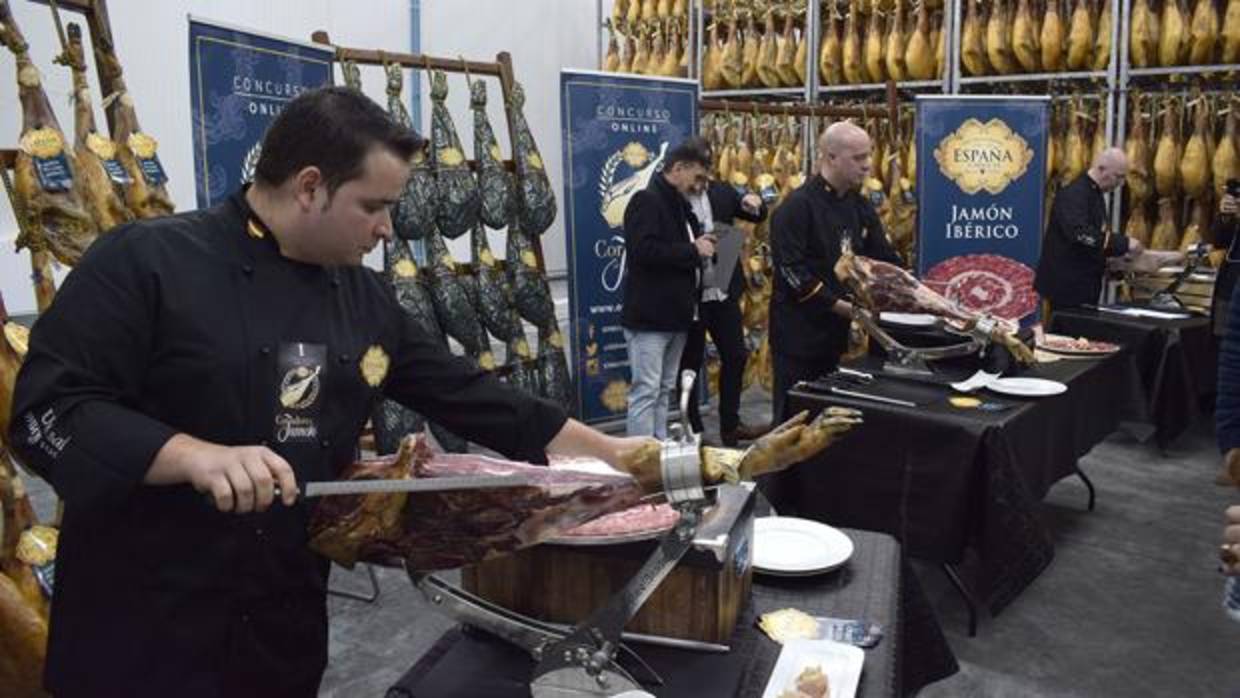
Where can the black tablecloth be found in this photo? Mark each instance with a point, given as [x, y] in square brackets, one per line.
[876, 585]
[1177, 360]
[942, 479]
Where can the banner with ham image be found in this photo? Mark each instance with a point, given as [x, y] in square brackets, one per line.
[239, 82]
[617, 130]
[980, 174]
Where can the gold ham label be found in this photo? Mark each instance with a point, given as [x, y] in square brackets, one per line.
[42, 143]
[18, 337]
[451, 157]
[487, 258]
[405, 269]
[528, 259]
[448, 262]
[374, 365]
[556, 340]
[522, 348]
[37, 545]
[495, 154]
[987, 156]
[487, 361]
[143, 145]
[535, 161]
[28, 76]
[103, 147]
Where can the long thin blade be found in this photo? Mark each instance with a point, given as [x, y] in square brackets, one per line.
[429, 484]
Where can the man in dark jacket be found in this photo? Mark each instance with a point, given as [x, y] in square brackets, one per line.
[1224, 234]
[192, 363]
[1078, 239]
[664, 249]
[810, 310]
[720, 314]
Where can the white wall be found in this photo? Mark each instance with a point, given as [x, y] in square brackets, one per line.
[151, 35]
[151, 38]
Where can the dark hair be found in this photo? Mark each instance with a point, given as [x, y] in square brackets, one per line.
[695, 150]
[331, 128]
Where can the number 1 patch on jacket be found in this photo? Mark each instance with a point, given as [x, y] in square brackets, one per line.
[299, 399]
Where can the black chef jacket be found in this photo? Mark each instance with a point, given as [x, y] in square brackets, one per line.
[195, 323]
[661, 288]
[1076, 245]
[806, 233]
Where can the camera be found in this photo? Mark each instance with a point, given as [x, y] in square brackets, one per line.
[1233, 187]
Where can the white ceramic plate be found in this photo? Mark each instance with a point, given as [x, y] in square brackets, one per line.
[788, 546]
[908, 319]
[840, 662]
[1027, 387]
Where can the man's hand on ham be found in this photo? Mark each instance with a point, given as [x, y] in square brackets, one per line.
[641, 457]
[236, 478]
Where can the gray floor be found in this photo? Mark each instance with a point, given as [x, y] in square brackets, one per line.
[1129, 607]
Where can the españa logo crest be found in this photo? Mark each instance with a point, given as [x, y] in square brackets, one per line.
[626, 172]
[987, 156]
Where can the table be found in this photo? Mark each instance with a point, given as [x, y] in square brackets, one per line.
[876, 584]
[943, 480]
[1177, 360]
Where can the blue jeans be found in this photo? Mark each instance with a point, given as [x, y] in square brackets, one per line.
[654, 358]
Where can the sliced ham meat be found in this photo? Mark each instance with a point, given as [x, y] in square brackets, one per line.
[443, 530]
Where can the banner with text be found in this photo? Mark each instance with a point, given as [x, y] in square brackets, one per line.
[617, 130]
[239, 82]
[981, 170]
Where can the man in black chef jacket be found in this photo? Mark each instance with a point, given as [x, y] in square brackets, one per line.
[719, 312]
[1078, 238]
[810, 310]
[1223, 236]
[223, 352]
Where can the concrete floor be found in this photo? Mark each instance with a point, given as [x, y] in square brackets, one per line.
[1130, 606]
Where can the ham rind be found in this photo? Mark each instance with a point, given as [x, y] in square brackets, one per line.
[443, 530]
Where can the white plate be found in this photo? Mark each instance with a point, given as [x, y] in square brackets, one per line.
[840, 662]
[788, 546]
[1027, 387]
[908, 319]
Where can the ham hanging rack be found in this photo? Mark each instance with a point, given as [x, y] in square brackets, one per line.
[500, 68]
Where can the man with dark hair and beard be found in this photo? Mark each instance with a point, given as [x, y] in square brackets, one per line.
[665, 249]
[226, 352]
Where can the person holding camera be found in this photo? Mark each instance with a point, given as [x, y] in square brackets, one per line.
[1224, 236]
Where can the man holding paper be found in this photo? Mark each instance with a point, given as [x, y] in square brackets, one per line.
[719, 312]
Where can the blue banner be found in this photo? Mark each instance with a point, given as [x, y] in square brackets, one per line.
[617, 130]
[239, 82]
[981, 173]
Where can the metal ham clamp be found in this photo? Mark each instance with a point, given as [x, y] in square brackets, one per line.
[583, 661]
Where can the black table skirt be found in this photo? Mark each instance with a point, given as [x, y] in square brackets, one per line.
[944, 480]
[876, 584]
[1177, 361]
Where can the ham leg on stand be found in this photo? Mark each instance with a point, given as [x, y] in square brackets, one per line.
[880, 286]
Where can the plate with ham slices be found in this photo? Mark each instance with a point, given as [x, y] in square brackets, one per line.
[1075, 346]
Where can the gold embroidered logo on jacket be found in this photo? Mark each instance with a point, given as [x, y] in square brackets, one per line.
[374, 365]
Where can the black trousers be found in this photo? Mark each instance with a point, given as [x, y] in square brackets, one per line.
[789, 370]
[723, 320]
[781, 488]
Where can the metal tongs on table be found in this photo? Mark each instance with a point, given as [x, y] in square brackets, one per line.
[582, 661]
[906, 360]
